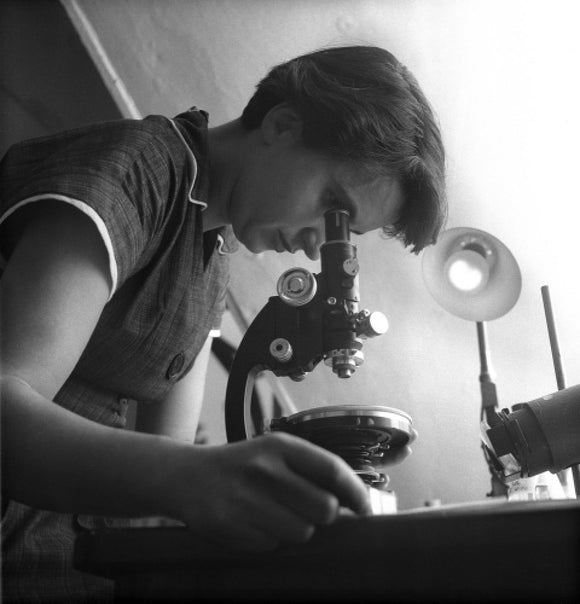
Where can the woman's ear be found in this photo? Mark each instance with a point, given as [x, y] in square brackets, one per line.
[281, 124]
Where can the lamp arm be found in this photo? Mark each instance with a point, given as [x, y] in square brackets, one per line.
[489, 400]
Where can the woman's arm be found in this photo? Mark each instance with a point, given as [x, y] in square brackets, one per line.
[254, 494]
[53, 291]
[178, 414]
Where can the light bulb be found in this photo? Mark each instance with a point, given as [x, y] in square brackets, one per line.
[467, 271]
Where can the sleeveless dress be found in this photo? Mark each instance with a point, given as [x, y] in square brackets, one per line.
[144, 183]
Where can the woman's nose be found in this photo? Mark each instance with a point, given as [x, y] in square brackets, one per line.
[311, 241]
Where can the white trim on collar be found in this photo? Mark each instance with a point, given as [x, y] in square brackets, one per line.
[193, 164]
[221, 245]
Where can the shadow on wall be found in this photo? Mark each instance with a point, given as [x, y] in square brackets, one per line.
[48, 82]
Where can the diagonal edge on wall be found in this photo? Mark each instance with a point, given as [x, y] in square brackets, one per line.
[106, 69]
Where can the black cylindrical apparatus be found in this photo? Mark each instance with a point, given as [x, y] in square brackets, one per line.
[339, 290]
[541, 435]
[339, 262]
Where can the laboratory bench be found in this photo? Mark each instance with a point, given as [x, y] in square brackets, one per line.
[480, 552]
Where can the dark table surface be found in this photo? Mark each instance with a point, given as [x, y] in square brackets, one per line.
[525, 552]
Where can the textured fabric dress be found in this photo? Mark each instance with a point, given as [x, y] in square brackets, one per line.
[144, 184]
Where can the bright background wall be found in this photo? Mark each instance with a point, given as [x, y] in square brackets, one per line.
[502, 77]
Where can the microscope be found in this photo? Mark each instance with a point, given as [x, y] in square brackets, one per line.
[313, 319]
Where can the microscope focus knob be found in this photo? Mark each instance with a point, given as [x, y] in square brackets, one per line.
[281, 350]
[371, 324]
[297, 287]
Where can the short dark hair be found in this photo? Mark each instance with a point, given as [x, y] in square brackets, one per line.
[360, 104]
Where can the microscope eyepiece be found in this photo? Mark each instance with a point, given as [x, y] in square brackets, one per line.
[337, 225]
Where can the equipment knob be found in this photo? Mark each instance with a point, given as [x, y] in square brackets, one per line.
[297, 287]
[371, 324]
[281, 350]
[350, 267]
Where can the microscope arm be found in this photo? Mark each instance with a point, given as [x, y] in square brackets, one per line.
[283, 339]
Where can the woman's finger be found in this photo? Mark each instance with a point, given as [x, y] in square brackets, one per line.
[326, 470]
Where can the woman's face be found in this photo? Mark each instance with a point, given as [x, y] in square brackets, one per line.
[280, 201]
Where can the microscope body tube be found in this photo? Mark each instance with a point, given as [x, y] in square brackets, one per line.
[339, 264]
[339, 286]
[543, 434]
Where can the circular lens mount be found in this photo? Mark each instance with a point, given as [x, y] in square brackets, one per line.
[361, 435]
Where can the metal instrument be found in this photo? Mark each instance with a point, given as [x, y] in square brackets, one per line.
[537, 436]
[474, 276]
[313, 319]
[361, 435]
[540, 435]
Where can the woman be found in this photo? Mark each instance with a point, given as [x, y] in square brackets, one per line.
[115, 239]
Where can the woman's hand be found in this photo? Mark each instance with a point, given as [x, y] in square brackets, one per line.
[257, 494]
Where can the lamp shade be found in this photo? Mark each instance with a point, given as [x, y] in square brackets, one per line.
[472, 274]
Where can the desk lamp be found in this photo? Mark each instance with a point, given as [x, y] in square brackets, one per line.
[474, 276]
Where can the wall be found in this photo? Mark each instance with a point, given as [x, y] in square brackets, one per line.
[502, 78]
[47, 80]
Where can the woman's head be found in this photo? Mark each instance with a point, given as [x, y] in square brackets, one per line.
[359, 104]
